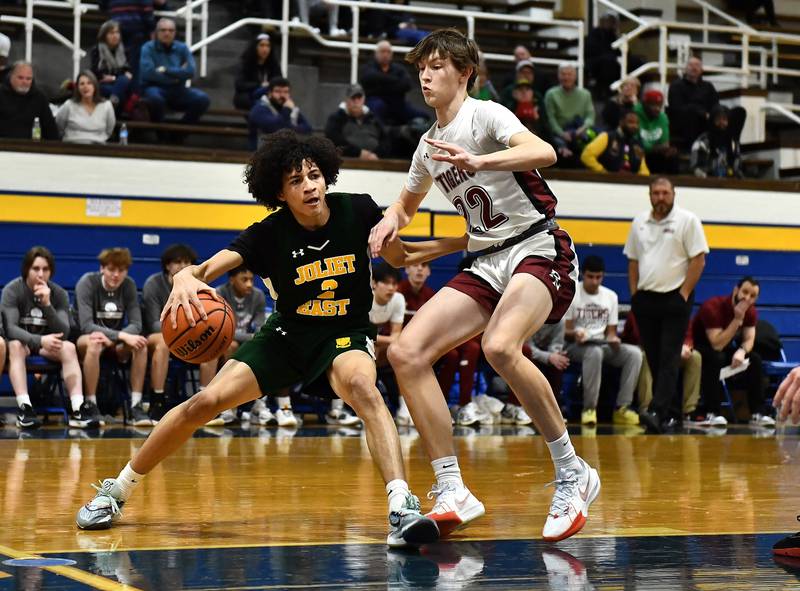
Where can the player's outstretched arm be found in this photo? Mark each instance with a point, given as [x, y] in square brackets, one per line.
[399, 253]
[193, 279]
[787, 398]
[526, 152]
[396, 217]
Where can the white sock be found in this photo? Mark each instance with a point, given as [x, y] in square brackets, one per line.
[127, 481]
[284, 402]
[90, 398]
[337, 404]
[446, 470]
[23, 399]
[76, 400]
[136, 398]
[563, 453]
[402, 407]
[397, 491]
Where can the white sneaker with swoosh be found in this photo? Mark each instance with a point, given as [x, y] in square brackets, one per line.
[575, 491]
[455, 507]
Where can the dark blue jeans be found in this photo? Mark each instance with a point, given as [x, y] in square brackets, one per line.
[178, 98]
[120, 88]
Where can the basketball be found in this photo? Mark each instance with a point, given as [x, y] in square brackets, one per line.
[207, 339]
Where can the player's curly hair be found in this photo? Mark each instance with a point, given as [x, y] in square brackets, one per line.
[284, 151]
[451, 43]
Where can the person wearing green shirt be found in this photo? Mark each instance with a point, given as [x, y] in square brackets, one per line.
[654, 133]
[570, 113]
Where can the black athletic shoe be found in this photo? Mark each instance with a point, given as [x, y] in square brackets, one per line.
[26, 418]
[139, 418]
[158, 408]
[650, 421]
[90, 413]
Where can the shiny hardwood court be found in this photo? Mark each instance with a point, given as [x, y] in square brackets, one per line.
[266, 508]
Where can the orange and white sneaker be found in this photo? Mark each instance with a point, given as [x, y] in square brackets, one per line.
[575, 491]
[455, 507]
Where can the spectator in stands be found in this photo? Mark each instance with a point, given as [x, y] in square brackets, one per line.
[483, 89]
[35, 311]
[716, 153]
[258, 66]
[5, 49]
[527, 106]
[136, 23]
[724, 331]
[110, 319]
[751, 7]
[602, 60]
[691, 361]
[525, 71]
[625, 100]
[691, 100]
[408, 33]
[591, 331]
[548, 353]
[21, 103]
[617, 151]
[521, 53]
[166, 65]
[155, 293]
[355, 130]
[110, 65]
[570, 113]
[654, 133]
[86, 118]
[666, 251]
[386, 84]
[275, 111]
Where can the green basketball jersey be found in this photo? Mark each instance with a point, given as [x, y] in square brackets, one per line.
[321, 275]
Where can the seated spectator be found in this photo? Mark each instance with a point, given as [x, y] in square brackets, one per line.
[110, 319]
[654, 132]
[626, 99]
[724, 331]
[591, 330]
[86, 118]
[136, 23]
[21, 103]
[35, 312]
[691, 362]
[355, 130]
[483, 89]
[548, 353]
[386, 84]
[570, 113]
[521, 53]
[166, 65]
[5, 49]
[526, 106]
[275, 111]
[110, 65]
[525, 72]
[155, 294]
[257, 67]
[691, 100]
[716, 153]
[249, 305]
[602, 60]
[617, 151]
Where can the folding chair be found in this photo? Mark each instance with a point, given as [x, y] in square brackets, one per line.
[47, 385]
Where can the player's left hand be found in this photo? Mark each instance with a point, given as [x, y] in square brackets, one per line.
[456, 155]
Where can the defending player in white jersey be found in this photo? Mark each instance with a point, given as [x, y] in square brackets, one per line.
[484, 160]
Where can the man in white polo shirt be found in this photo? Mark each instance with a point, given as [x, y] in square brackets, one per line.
[666, 251]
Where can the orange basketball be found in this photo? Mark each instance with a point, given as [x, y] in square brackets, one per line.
[207, 339]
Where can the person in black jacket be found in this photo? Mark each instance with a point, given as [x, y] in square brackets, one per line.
[691, 100]
[258, 66]
[355, 130]
[110, 64]
[386, 85]
[21, 103]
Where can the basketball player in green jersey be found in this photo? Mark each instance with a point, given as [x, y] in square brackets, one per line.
[312, 253]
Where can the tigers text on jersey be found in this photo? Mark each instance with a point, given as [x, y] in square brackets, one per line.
[496, 205]
[321, 274]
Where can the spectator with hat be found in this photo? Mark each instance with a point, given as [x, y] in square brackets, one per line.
[355, 130]
[654, 133]
[524, 71]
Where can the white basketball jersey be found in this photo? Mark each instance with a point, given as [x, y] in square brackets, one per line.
[496, 205]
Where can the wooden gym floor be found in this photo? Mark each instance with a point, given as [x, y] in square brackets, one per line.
[263, 508]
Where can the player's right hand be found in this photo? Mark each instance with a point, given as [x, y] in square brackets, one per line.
[383, 232]
[185, 288]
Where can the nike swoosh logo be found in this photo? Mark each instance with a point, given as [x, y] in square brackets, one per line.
[447, 466]
[585, 492]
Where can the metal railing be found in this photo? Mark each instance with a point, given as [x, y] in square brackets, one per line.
[767, 57]
[354, 46]
[783, 109]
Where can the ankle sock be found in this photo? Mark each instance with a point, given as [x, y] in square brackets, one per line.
[446, 470]
[563, 453]
[397, 490]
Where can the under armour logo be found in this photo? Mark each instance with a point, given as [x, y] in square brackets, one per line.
[280, 330]
[556, 279]
[425, 156]
[297, 253]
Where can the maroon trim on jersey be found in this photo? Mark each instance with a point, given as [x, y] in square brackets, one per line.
[539, 194]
